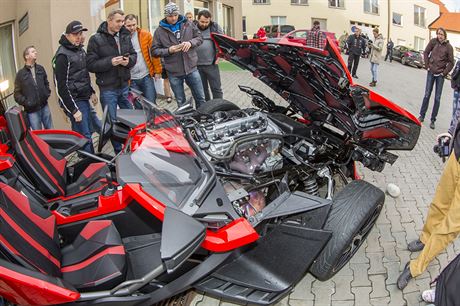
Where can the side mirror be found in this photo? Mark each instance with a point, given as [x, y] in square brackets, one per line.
[181, 236]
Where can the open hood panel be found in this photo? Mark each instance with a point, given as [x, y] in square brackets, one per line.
[318, 85]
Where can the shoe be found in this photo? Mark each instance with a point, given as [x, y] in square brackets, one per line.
[355, 76]
[169, 99]
[428, 295]
[432, 126]
[372, 84]
[404, 278]
[420, 118]
[415, 246]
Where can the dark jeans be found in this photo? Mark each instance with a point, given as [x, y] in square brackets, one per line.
[40, 119]
[210, 75]
[353, 62]
[430, 80]
[113, 98]
[193, 81]
[84, 127]
[147, 87]
[389, 55]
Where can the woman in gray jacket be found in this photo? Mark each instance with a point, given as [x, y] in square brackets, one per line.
[376, 55]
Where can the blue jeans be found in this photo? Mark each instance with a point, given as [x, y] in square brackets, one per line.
[374, 67]
[430, 80]
[193, 81]
[84, 127]
[147, 87]
[39, 118]
[95, 122]
[113, 98]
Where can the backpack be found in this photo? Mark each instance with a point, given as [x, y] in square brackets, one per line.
[448, 285]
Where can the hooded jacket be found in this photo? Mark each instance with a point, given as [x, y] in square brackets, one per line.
[32, 95]
[167, 35]
[72, 79]
[102, 47]
[439, 56]
[376, 50]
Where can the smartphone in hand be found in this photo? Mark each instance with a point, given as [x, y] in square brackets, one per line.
[125, 56]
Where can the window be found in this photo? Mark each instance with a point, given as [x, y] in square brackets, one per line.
[419, 16]
[244, 24]
[261, 1]
[371, 6]
[7, 60]
[397, 19]
[337, 3]
[419, 43]
[278, 19]
[299, 2]
[322, 23]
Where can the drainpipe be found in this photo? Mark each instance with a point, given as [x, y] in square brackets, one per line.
[389, 18]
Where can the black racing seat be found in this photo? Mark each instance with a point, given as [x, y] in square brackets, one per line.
[96, 260]
[45, 167]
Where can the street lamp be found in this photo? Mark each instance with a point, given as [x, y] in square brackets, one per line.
[3, 88]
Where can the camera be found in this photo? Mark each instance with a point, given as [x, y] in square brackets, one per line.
[442, 148]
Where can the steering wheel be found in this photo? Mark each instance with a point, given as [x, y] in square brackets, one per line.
[106, 129]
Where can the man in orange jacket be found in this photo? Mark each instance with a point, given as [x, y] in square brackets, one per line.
[147, 67]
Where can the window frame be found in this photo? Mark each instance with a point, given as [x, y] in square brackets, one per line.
[392, 19]
[371, 6]
[301, 4]
[418, 12]
[265, 2]
[336, 6]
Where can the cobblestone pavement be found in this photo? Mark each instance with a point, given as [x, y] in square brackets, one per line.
[370, 277]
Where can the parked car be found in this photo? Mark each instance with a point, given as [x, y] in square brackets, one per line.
[300, 36]
[408, 56]
[277, 31]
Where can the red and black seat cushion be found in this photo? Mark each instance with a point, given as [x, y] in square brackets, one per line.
[96, 260]
[45, 166]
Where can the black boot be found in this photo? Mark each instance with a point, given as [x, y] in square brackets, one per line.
[404, 278]
[432, 126]
[415, 246]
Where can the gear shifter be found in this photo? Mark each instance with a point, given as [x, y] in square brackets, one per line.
[110, 188]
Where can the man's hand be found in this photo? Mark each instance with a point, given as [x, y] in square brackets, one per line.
[77, 116]
[157, 76]
[124, 61]
[186, 46]
[444, 135]
[117, 60]
[175, 49]
[93, 99]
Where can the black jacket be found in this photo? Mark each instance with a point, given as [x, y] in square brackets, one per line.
[455, 77]
[72, 78]
[102, 47]
[356, 45]
[28, 93]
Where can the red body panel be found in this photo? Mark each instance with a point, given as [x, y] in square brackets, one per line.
[26, 290]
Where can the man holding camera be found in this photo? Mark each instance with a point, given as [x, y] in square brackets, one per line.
[442, 224]
[110, 56]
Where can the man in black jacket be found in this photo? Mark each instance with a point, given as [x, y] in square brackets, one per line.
[32, 90]
[73, 82]
[356, 45]
[110, 56]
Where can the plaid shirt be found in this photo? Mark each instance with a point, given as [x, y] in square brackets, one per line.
[316, 39]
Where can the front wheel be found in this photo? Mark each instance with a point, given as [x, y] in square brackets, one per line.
[403, 60]
[353, 213]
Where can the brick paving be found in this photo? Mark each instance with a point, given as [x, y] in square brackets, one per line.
[370, 277]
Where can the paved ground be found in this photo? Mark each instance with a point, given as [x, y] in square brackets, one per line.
[370, 277]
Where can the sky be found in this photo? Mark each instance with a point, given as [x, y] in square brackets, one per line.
[452, 5]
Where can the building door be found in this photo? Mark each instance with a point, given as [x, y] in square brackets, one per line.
[7, 59]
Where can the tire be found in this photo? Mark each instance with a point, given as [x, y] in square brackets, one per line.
[403, 60]
[353, 214]
[216, 105]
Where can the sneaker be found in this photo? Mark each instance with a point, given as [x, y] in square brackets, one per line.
[404, 278]
[355, 76]
[420, 118]
[372, 84]
[415, 246]
[432, 126]
[428, 295]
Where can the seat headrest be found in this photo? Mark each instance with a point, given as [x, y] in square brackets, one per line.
[17, 123]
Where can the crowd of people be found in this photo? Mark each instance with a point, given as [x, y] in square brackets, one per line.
[122, 56]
